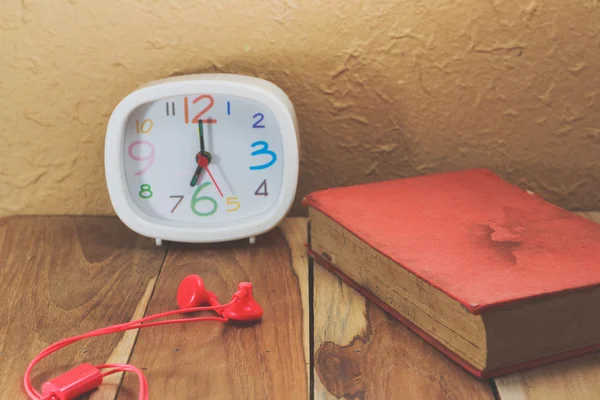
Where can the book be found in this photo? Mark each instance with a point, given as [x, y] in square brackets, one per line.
[493, 276]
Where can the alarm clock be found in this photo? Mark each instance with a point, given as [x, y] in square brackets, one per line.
[202, 158]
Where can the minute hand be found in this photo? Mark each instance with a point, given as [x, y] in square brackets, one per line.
[201, 137]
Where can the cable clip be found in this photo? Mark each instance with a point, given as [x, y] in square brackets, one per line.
[73, 383]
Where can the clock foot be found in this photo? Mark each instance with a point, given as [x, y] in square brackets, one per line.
[252, 239]
[158, 242]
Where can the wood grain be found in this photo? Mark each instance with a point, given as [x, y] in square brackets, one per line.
[62, 276]
[123, 349]
[574, 379]
[215, 361]
[362, 353]
[295, 232]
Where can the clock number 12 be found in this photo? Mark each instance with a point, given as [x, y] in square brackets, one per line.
[196, 118]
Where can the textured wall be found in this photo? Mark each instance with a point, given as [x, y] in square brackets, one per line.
[382, 88]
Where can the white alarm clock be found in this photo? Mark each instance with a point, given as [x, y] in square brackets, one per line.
[202, 158]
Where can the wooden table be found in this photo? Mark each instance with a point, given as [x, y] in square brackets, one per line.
[61, 276]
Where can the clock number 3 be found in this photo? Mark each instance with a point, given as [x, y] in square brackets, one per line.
[264, 149]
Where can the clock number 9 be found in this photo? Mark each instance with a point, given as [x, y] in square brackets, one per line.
[263, 150]
[197, 199]
[149, 158]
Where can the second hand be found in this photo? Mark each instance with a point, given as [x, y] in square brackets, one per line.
[213, 180]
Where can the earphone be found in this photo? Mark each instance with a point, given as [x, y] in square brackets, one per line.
[192, 296]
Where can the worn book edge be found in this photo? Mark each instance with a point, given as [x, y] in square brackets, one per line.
[483, 374]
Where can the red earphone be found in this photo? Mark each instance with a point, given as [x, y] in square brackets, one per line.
[192, 293]
[192, 296]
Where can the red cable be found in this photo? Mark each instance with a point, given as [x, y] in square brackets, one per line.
[128, 368]
[136, 324]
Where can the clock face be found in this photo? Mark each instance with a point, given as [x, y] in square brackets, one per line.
[203, 158]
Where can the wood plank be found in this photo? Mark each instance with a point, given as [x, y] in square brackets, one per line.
[62, 276]
[123, 349]
[215, 361]
[295, 232]
[575, 379]
[361, 352]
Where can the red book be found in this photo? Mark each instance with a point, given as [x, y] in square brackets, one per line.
[495, 277]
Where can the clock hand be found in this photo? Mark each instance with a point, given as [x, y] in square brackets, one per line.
[200, 156]
[201, 137]
[196, 176]
[220, 177]
[213, 180]
[203, 159]
[203, 162]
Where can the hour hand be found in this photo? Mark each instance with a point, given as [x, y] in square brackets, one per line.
[196, 176]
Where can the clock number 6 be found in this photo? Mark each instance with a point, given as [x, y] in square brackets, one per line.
[197, 199]
[263, 150]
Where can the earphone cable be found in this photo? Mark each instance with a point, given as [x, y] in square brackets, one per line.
[136, 324]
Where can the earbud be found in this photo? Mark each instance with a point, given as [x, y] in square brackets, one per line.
[245, 308]
[193, 293]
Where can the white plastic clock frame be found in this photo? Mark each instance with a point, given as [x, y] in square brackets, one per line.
[235, 85]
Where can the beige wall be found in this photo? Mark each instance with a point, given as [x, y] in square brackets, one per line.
[382, 89]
